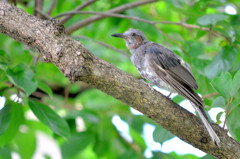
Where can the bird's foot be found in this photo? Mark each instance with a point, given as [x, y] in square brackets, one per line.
[169, 95]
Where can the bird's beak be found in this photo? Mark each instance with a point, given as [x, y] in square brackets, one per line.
[120, 35]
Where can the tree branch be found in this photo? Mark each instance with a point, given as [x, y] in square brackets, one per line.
[105, 45]
[38, 5]
[118, 9]
[210, 95]
[43, 15]
[79, 64]
[173, 40]
[49, 12]
[108, 14]
[66, 18]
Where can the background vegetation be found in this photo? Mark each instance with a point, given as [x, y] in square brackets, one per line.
[201, 32]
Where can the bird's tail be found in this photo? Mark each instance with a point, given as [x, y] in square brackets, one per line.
[207, 124]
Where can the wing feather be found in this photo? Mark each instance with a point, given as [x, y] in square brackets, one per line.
[171, 63]
[171, 76]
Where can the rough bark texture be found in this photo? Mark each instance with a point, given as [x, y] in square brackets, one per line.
[79, 64]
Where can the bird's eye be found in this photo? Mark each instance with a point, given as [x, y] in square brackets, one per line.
[133, 34]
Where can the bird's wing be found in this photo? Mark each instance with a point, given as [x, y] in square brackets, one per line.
[168, 67]
[172, 64]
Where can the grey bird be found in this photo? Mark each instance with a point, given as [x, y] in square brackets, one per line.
[163, 68]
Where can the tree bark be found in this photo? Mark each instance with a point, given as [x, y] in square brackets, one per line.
[78, 64]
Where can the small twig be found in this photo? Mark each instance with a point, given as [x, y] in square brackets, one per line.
[38, 94]
[36, 60]
[38, 5]
[66, 18]
[174, 41]
[49, 12]
[210, 95]
[17, 98]
[133, 146]
[113, 48]
[43, 15]
[95, 18]
[229, 103]
[105, 45]
[109, 14]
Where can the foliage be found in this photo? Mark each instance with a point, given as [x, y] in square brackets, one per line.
[212, 52]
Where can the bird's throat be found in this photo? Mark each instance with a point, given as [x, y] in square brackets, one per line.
[137, 44]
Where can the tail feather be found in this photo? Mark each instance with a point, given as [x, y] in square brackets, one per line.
[207, 124]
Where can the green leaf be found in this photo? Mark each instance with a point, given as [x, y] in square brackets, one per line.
[89, 116]
[137, 138]
[161, 135]
[50, 118]
[102, 146]
[195, 48]
[219, 102]
[211, 19]
[4, 59]
[233, 123]
[222, 62]
[5, 117]
[3, 56]
[99, 102]
[3, 66]
[235, 84]
[235, 20]
[158, 155]
[129, 154]
[223, 84]
[234, 104]
[16, 120]
[218, 117]
[76, 144]
[49, 73]
[23, 78]
[5, 153]
[45, 88]
[199, 65]
[208, 157]
[178, 99]
[135, 122]
[26, 143]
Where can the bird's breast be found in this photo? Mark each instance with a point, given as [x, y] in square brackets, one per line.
[149, 74]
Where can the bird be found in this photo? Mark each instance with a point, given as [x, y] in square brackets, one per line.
[163, 68]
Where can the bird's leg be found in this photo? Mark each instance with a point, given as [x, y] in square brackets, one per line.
[169, 95]
[148, 84]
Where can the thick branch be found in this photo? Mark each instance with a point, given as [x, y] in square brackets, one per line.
[79, 64]
[119, 9]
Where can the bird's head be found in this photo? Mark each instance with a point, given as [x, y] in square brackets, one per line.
[133, 37]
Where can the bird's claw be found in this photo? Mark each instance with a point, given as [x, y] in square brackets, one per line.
[169, 95]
